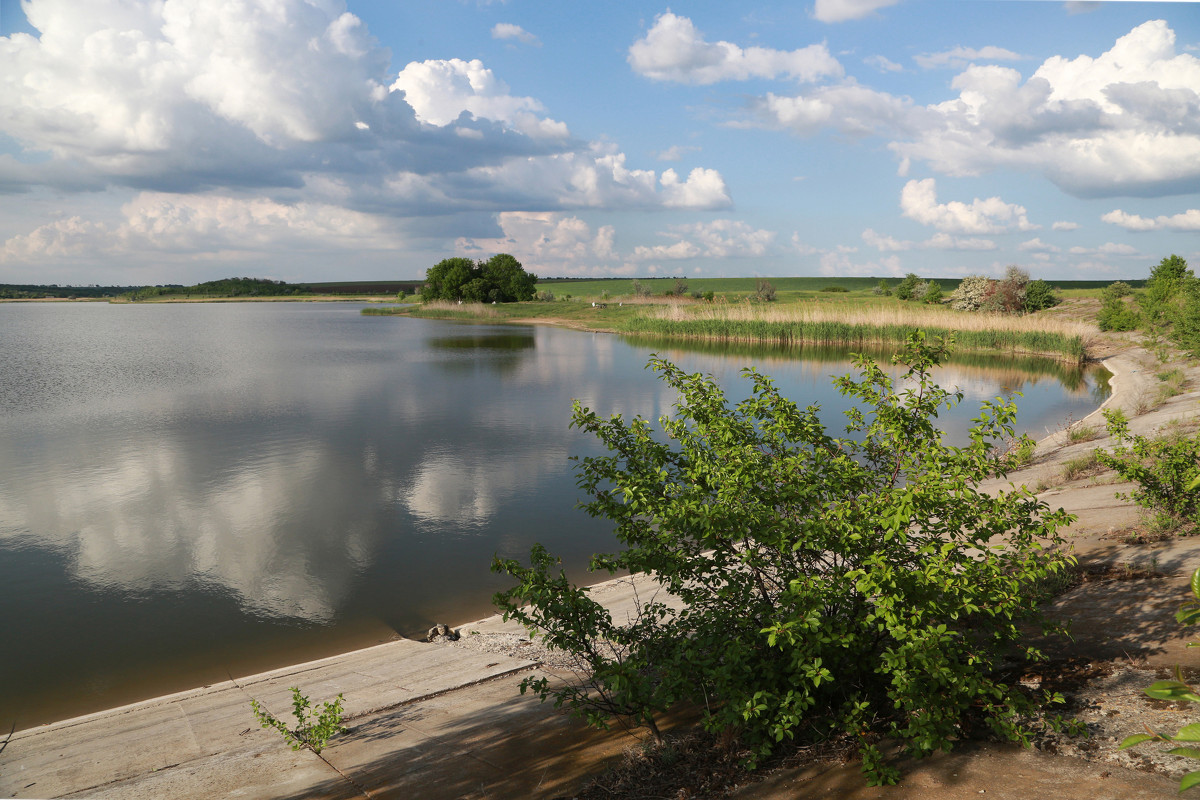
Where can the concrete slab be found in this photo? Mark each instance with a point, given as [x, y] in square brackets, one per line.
[484, 741]
[621, 596]
[204, 730]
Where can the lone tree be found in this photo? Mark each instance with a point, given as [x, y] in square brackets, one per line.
[500, 279]
[860, 586]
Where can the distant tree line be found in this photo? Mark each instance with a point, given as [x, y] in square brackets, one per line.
[226, 287]
[500, 279]
[29, 291]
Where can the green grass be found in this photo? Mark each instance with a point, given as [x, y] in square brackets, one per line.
[742, 287]
[1082, 433]
[1084, 466]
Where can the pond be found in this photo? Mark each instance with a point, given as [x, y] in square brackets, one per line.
[194, 491]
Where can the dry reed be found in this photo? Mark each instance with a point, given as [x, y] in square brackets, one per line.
[857, 325]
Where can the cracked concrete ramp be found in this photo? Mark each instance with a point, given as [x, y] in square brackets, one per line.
[207, 743]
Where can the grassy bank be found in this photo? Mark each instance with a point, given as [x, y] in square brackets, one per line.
[873, 324]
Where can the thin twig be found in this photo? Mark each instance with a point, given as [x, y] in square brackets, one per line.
[8, 738]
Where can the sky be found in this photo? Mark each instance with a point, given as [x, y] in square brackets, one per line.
[179, 141]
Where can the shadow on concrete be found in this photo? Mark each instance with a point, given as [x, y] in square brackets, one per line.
[491, 742]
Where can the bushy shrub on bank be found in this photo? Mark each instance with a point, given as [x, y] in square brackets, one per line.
[858, 586]
[1168, 305]
[1014, 294]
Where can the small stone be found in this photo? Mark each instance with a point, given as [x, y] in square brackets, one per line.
[442, 631]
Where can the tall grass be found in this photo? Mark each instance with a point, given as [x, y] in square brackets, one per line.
[440, 309]
[874, 325]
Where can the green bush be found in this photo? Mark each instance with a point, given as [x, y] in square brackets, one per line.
[1115, 313]
[1164, 288]
[906, 287]
[1164, 468]
[858, 586]
[1186, 332]
[835, 289]
[313, 730]
[1039, 296]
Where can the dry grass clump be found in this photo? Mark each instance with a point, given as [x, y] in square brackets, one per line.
[453, 309]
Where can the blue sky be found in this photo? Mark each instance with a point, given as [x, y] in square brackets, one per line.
[156, 141]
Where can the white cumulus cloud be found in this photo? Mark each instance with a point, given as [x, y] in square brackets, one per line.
[844, 10]
[883, 63]
[1186, 221]
[158, 223]
[939, 241]
[721, 238]
[545, 242]
[1125, 122]
[840, 263]
[1106, 249]
[1036, 245]
[439, 91]
[848, 108]
[278, 114]
[961, 56]
[918, 201]
[507, 30]
[674, 50]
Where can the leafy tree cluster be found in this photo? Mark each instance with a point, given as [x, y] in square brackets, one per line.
[1013, 294]
[915, 289]
[1171, 300]
[1168, 304]
[500, 279]
[859, 586]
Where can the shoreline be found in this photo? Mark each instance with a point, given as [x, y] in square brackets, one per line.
[1125, 384]
[418, 712]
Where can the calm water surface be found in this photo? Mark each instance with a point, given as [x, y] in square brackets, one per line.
[189, 492]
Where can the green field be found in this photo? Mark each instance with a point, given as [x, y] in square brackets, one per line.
[785, 288]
